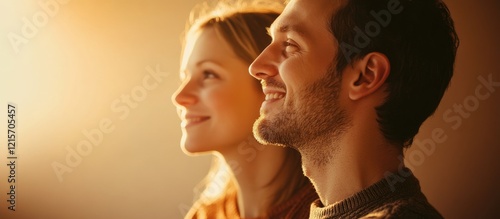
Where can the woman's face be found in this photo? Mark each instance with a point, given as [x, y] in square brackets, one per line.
[218, 100]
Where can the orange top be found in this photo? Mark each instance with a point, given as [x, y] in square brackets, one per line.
[227, 206]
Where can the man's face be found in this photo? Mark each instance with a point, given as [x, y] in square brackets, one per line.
[298, 77]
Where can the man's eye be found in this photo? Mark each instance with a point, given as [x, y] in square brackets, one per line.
[290, 47]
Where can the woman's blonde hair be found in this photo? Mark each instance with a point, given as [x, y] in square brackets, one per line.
[243, 25]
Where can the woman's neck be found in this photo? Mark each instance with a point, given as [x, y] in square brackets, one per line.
[255, 168]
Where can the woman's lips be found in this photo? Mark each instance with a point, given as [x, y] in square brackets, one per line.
[189, 121]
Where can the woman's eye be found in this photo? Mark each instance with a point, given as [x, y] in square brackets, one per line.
[209, 74]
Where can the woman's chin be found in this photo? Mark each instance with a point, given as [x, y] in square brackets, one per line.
[194, 150]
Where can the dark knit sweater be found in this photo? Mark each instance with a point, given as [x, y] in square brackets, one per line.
[387, 198]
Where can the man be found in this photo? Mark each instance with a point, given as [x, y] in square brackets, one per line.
[348, 84]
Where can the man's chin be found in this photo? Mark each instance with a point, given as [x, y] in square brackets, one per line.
[265, 133]
[258, 131]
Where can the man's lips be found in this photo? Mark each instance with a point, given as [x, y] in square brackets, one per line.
[274, 96]
[273, 93]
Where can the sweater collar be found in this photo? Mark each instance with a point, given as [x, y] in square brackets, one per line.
[398, 184]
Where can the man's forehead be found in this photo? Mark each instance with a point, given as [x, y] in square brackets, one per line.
[289, 19]
[304, 11]
[314, 6]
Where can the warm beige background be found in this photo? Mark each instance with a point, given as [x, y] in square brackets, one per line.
[90, 53]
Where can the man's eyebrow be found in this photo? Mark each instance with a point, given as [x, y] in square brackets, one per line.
[283, 28]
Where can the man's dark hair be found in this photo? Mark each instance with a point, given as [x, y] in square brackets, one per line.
[420, 41]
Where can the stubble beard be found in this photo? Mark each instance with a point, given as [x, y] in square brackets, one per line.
[312, 126]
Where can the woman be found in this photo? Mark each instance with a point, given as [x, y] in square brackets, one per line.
[218, 103]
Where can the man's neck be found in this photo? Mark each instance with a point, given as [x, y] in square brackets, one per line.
[355, 163]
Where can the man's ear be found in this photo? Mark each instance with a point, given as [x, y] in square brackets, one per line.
[369, 75]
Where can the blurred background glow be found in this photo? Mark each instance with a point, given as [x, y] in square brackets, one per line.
[89, 55]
